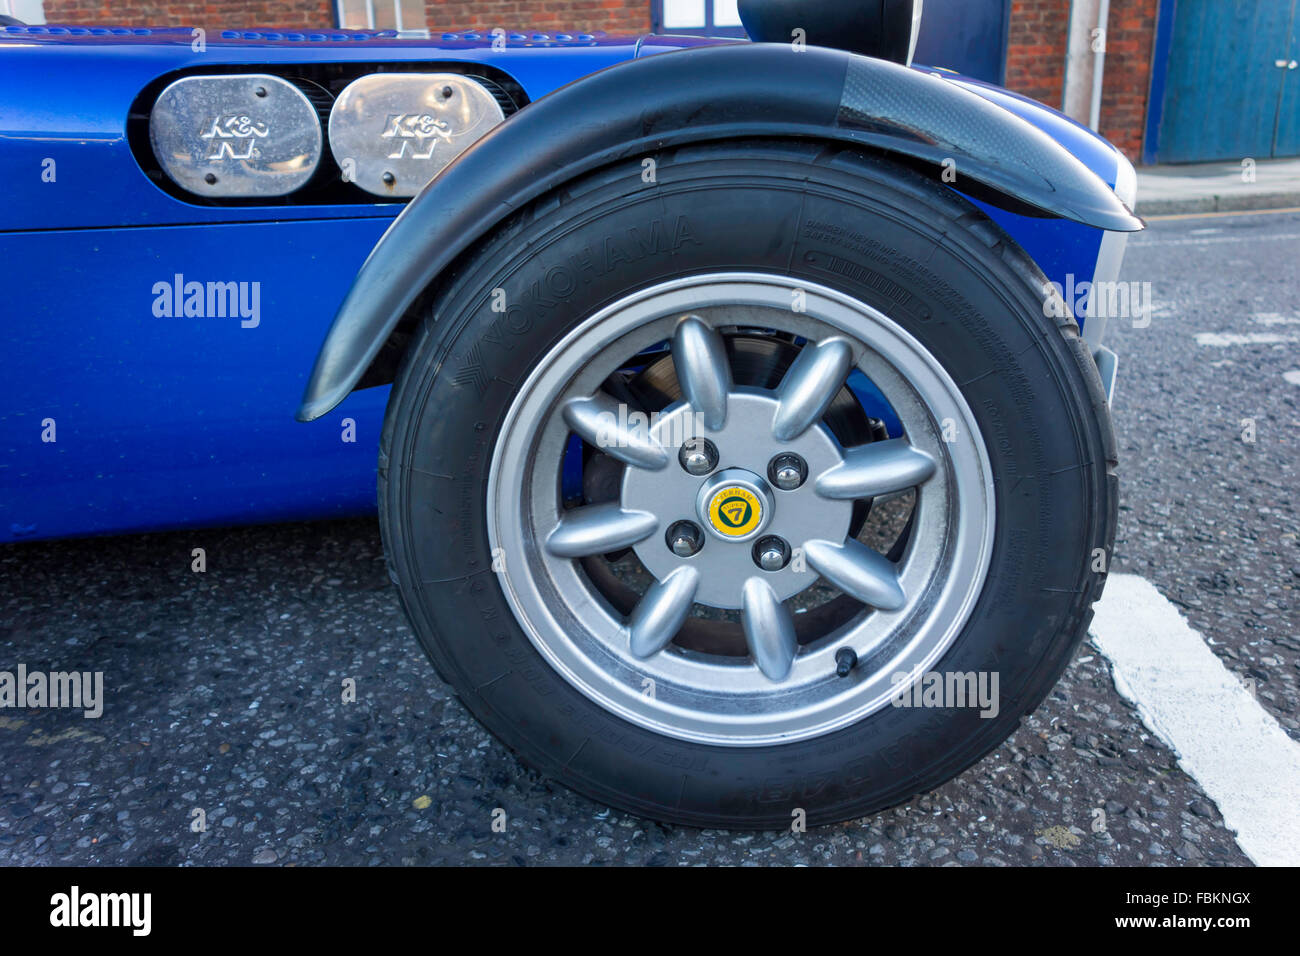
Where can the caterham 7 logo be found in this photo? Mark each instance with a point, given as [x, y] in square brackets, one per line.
[735, 511]
[420, 127]
[239, 127]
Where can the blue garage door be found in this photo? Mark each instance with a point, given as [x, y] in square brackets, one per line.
[1232, 81]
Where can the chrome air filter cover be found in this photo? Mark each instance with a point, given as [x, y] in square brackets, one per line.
[248, 135]
[391, 133]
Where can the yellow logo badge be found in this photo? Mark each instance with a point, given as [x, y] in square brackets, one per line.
[735, 511]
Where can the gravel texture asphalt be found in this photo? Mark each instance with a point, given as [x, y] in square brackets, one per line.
[224, 689]
[1209, 439]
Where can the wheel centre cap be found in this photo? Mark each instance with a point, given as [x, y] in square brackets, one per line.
[735, 504]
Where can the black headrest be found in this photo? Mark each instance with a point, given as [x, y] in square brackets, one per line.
[879, 28]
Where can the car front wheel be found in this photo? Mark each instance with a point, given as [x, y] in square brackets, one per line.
[695, 488]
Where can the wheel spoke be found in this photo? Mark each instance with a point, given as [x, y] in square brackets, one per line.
[702, 369]
[858, 571]
[876, 469]
[809, 386]
[597, 529]
[769, 629]
[661, 612]
[614, 429]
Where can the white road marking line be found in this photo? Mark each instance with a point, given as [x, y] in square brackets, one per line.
[1225, 339]
[1233, 748]
[1276, 318]
[1292, 376]
[1211, 240]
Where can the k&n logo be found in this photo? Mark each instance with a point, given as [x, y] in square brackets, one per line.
[420, 127]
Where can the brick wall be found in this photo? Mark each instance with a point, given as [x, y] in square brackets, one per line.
[1130, 35]
[180, 13]
[612, 16]
[1036, 50]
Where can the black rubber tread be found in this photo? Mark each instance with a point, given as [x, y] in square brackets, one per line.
[964, 229]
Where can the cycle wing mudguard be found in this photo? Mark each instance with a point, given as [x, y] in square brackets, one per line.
[771, 90]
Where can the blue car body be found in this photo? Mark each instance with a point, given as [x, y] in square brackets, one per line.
[116, 418]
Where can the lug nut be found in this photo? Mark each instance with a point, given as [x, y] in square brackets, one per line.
[698, 456]
[787, 471]
[684, 538]
[771, 553]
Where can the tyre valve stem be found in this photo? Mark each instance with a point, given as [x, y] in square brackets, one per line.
[845, 661]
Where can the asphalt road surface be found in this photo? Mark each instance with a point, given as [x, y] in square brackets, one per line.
[223, 700]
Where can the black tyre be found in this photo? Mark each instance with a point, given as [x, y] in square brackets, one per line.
[760, 293]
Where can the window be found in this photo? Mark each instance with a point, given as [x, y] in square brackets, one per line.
[709, 17]
[405, 16]
[25, 11]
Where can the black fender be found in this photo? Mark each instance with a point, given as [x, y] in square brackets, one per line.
[710, 93]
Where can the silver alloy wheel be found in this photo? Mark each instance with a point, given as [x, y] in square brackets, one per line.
[914, 609]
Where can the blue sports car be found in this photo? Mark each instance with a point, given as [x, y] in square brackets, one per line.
[736, 411]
